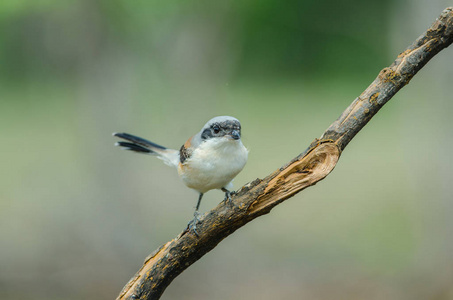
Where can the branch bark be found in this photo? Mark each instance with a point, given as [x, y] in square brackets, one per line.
[315, 163]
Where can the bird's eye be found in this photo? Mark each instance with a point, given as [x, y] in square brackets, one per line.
[216, 129]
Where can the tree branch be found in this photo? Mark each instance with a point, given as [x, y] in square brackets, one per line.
[316, 162]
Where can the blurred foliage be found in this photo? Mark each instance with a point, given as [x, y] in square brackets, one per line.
[300, 38]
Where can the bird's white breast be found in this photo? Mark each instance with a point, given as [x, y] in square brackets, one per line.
[213, 164]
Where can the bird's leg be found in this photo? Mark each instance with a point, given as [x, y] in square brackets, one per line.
[228, 195]
[193, 224]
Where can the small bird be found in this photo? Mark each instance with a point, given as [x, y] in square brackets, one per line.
[208, 160]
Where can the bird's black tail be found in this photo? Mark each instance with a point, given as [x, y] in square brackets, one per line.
[138, 144]
[133, 147]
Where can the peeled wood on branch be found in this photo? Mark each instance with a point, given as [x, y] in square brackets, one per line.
[316, 162]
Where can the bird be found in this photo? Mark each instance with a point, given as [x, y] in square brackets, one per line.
[208, 160]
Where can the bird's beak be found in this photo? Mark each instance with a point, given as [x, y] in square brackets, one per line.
[235, 135]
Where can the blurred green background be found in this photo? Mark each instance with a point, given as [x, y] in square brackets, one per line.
[78, 216]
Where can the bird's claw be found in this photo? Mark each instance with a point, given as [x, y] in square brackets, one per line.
[227, 198]
[192, 225]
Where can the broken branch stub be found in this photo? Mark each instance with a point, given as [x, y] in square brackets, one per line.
[297, 175]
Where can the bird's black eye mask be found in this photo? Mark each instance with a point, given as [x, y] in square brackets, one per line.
[220, 129]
